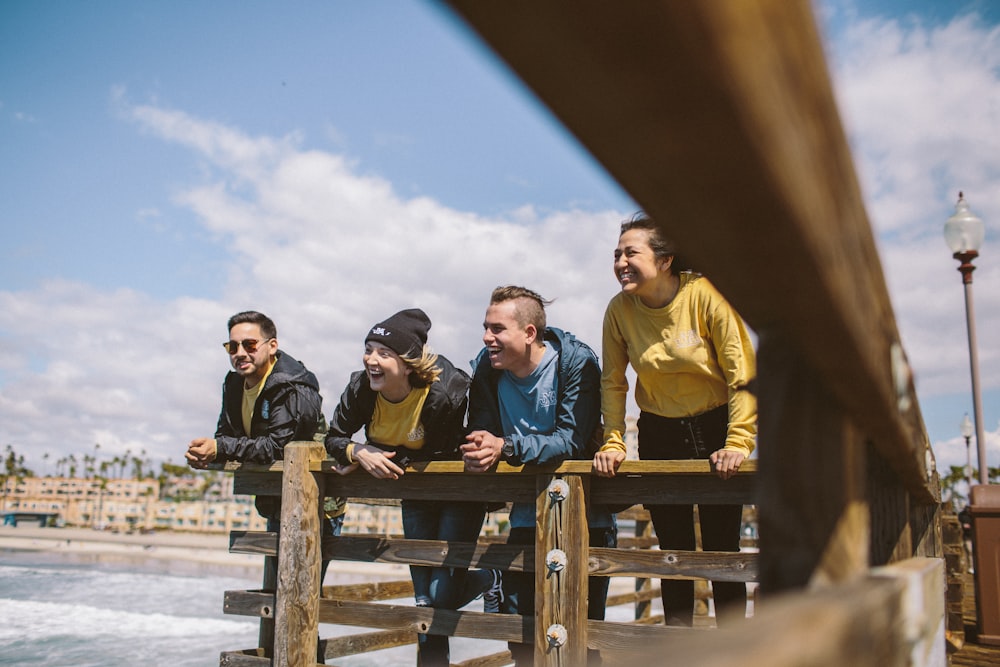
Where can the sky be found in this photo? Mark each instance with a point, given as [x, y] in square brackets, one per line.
[165, 165]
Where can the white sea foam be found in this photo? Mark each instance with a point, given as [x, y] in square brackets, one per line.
[53, 620]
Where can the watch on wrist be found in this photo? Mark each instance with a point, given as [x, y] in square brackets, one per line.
[507, 449]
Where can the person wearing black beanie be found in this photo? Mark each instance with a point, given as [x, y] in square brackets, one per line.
[405, 333]
[411, 404]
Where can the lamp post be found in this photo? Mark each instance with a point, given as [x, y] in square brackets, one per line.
[963, 232]
[967, 434]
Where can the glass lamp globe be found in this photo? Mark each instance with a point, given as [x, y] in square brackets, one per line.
[966, 427]
[964, 231]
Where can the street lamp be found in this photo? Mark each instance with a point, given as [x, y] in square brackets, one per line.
[967, 434]
[963, 232]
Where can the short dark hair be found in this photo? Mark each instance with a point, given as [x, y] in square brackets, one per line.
[529, 306]
[662, 245]
[267, 327]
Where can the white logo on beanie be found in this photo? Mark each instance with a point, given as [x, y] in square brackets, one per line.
[380, 331]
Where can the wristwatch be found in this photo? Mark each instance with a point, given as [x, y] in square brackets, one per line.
[507, 449]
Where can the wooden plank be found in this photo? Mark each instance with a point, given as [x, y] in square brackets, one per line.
[856, 624]
[720, 120]
[370, 591]
[681, 489]
[921, 609]
[636, 597]
[493, 660]
[561, 590]
[249, 603]
[297, 613]
[253, 657]
[339, 647]
[376, 549]
[712, 565]
[500, 627]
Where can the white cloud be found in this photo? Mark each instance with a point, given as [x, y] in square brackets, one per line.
[323, 250]
[921, 105]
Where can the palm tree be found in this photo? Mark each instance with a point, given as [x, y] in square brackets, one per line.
[949, 487]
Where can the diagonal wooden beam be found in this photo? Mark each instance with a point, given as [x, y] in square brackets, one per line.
[718, 117]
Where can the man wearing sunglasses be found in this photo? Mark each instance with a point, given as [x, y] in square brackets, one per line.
[268, 400]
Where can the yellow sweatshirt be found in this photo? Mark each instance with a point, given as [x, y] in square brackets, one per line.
[690, 356]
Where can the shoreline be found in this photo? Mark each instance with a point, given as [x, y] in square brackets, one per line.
[184, 554]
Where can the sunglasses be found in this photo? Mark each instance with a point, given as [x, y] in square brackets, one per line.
[249, 344]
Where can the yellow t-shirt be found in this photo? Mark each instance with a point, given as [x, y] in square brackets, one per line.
[690, 356]
[250, 399]
[398, 424]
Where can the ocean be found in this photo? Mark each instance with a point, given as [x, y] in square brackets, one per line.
[60, 613]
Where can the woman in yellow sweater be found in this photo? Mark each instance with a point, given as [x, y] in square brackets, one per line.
[693, 359]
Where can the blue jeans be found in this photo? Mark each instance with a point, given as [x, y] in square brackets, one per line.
[443, 587]
[519, 591]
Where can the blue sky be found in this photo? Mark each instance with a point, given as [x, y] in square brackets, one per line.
[165, 165]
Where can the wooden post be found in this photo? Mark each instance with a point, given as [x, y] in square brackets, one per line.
[643, 608]
[299, 541]
[265, 638]
[814, 517]
[561, 566]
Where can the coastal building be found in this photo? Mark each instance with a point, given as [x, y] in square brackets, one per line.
[202, 504]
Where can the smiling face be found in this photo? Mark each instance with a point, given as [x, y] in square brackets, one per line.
[636, 266]
[388, 374]
[251, 365]
[508, 344]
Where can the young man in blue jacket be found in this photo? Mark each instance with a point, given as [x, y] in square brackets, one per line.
[535, 398]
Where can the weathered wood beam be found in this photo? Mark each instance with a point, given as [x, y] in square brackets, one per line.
[814, 515]
[339, 647]
[561, 588]
[637, 481]
[720, 120]
[297, 613]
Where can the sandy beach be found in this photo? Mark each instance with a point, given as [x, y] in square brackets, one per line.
[168, 552]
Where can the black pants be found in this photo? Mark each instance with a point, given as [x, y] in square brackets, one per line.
[692, 438]
[519, 591]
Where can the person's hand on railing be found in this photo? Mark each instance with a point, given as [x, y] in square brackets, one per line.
[726, 462]
[481, 451]
[201, 452]
[347, 469]
[376, 462]
[606, 462]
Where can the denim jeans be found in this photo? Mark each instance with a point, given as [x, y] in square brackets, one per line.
[692, 438]
[443, 587]
[519, 591]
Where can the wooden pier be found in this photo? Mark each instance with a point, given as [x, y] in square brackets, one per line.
[719, 119]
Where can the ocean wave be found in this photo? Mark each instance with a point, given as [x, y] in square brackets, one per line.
[53, 620]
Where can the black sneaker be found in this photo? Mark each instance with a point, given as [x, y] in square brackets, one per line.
[494, 594]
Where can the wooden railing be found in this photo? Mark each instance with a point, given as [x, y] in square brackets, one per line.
[559, 630]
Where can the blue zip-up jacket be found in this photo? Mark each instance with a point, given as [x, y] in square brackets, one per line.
[579, 400]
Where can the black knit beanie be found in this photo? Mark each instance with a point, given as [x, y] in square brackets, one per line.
[404, 333]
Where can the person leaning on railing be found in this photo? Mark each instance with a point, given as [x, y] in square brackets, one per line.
[693, 360]
[269, 399]
[535, 398]
[411, 404]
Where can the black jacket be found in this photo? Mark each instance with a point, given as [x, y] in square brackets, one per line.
[443, 417]
[288, 409]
